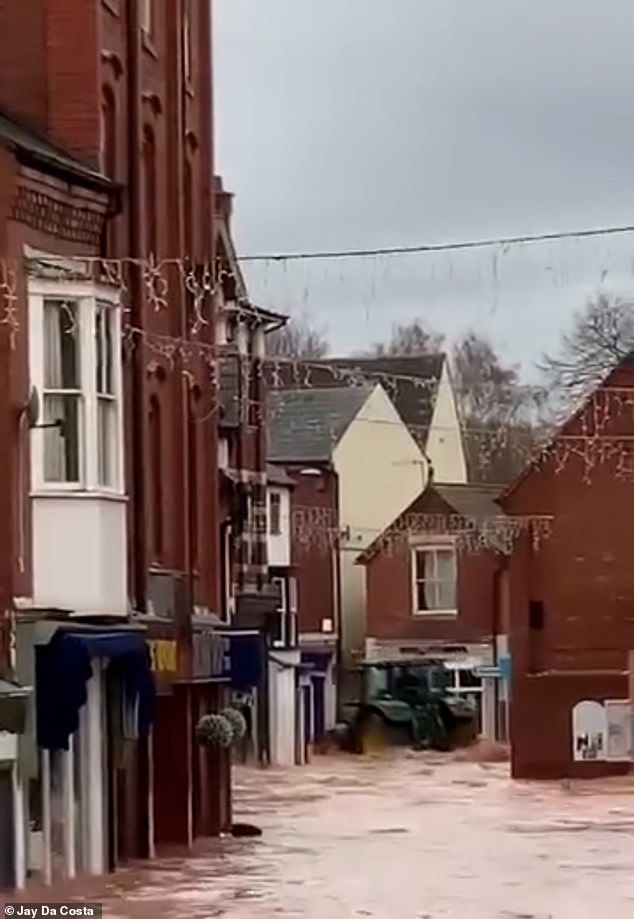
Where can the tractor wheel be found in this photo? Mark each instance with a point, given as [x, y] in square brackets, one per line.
[373, 734]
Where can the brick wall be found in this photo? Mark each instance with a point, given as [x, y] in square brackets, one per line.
[541, 723]
[314, 513]
[580, 582]
[389, 589]
[390, 599]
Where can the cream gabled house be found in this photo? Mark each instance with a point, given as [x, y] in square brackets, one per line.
[357, 432]
[421, 390]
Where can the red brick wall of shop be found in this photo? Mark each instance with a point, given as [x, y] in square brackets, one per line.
[178, 118]
[69, 56]
[389, 590]
[314, 524]
[50, 69]
[20, 186]
[541, 723]
[582, 572]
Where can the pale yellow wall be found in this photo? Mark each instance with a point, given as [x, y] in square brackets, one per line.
[381, 470]
[444, 441]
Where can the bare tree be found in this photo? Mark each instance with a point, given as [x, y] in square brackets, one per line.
[299, 339]
[486, 388]
[409, 340]
[602, 334]
[498, 412]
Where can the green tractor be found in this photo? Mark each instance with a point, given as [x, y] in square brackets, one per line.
[407, 702]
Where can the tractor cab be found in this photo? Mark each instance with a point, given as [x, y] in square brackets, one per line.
[406, 701]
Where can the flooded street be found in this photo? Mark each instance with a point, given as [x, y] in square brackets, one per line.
[401, 837]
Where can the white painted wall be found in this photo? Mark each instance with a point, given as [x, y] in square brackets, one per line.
[79, 553]
[444, 440]
[381, 470]
[282, 706]
[223, 453]
[330, 691]
[279, 546]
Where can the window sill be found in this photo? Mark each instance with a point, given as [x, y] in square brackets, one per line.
[82, 493]
[435, 614]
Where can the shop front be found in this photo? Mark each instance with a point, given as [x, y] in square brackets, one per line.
[319, 693]
[94, 704]
[211, 767]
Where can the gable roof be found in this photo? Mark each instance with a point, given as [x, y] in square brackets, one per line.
[410, 382]
[35, 149]
[474, 503]
[534, 464]
[305, 425]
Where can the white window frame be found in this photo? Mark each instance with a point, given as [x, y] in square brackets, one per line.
[292, 609]
[437, 545]
[281, 610]
[89, 297]
[277, 495]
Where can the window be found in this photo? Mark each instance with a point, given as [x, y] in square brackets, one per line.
[292, 611]
[150, 191]
[106, 394]
[190, 211]
[108, 159]
[464, 682]
[280, 630]
[75, 364]
[62, 392]
[275, 513]
[108, 134]
[434, 571]
[156, 476]
[194, 496]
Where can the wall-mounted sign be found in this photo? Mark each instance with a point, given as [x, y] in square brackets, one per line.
[211, 655]
[589, 730]
[163, 655]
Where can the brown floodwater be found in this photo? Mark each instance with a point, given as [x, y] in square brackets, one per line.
[399, 836]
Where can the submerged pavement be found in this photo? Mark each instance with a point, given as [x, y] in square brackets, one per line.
[400, 836]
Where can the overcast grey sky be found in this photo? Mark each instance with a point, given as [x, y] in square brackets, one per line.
[364, 123]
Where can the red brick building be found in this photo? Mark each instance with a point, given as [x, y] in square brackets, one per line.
[301, 441]
[432, 584]
[571, 595]
[106, 138]
[248, 604]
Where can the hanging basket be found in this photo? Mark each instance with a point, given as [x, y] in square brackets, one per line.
[237, 721]
[214, 730]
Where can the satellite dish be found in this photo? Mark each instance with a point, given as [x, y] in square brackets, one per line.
[32, 407]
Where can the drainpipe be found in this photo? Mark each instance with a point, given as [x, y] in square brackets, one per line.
[136, 249]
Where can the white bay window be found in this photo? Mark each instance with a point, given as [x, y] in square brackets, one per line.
[75, 365]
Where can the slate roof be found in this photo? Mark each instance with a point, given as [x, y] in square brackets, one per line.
[475, 501]
[397, 375]
[31, 147]
[306, 424]
[277, 475]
